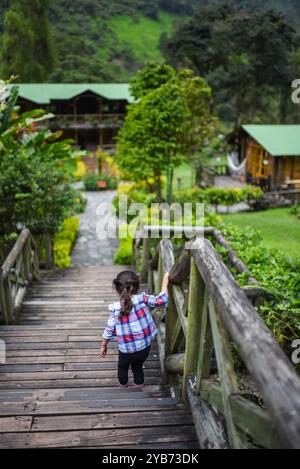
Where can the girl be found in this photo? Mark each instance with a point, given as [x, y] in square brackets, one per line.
[132, 324]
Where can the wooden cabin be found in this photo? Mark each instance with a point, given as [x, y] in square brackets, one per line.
[90, 114]
[272, 153]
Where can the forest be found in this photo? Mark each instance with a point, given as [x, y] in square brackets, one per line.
[109, 40]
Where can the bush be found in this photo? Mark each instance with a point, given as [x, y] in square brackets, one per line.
[91, 180]
[79, 203]
[124, 253]
[63, 242]
[81, 169]
[218, 196]
[35, 188]
[272, 270]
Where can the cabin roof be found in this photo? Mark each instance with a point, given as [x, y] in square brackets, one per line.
[43, 93]
[278, 140]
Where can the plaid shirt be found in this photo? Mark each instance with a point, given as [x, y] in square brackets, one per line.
[136, 330]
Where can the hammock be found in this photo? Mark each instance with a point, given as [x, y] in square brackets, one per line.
[236, 169]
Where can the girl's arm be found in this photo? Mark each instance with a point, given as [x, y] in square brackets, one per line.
[103, 349]
[109, 332]
[165, 283]
[161, 300]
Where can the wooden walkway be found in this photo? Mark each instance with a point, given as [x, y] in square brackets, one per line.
[55, 389]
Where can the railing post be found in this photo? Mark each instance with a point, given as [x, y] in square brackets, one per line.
[34, 258]
[9, 306]
[27, 261]
[2, 298]
[48, 251]
[145, 260]
[195, 310]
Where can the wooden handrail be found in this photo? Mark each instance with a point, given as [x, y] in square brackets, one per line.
[15, 252]
[19, 269]
[203, 323]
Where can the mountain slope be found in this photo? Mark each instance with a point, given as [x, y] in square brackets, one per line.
[108, 40]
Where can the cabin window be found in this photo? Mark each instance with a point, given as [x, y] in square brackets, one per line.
[258, 162]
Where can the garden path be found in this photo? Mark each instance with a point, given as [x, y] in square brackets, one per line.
[89, 250]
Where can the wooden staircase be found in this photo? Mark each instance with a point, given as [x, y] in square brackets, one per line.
[56, 391]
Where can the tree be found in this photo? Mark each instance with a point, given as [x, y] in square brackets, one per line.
[34, 187]
[171, 117]
[151, 77]
[245, 58]
[27, 49]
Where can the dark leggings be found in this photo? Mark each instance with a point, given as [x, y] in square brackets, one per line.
[135, 360]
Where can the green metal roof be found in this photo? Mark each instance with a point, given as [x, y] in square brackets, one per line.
[278, 140]
[43, 93]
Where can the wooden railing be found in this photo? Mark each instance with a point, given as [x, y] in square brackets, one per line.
[209, 312]
[20, 268]
[66, 121]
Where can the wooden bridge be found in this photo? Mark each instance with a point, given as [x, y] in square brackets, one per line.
[57, 392]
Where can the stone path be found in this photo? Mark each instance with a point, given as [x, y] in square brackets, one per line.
[89, 250]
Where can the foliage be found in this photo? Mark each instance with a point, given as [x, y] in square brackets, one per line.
[92, 181]
[81, 169]
[34, 188]
[123, 255]
[239, 54]
[163, 124]
[218, 196]
[101, 40]
[79, 202]
[107, 164]
[272, 270]
[27, 48]
[63, 242]
[151, 77]
[295, 210]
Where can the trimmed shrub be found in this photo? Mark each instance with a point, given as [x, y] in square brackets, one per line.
[124, 253]
[63, 242]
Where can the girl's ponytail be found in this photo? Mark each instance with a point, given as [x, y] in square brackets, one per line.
[127, 283]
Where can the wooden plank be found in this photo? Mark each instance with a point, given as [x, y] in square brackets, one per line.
[205, 344]
[15, 424]
[112, 420]
[210, 431]
[84, 393]
[61, 383]
[229, 384]
[97, 438]
[61, 375]
[179, 302]
[250, 418]
[171, 329]
[195, 309]
[87, 406]
[21, 368]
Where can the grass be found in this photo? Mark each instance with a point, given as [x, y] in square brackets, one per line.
[142, 34]
[186, 173]
[278, 227]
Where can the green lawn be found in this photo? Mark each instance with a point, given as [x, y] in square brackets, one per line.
[278, 227]
[186, 174]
